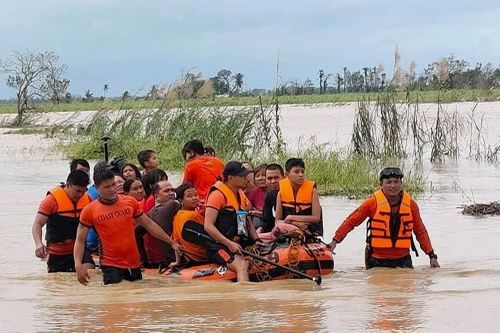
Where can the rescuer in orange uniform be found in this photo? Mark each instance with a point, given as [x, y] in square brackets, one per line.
[393, 219]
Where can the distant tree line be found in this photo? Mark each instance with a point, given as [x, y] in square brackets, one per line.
[39, 76]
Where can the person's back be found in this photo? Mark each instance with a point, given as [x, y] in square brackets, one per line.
[203, 172]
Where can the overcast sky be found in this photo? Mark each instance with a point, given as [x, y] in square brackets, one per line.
[131, 45]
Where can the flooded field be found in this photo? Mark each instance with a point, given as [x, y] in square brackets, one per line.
[461, 296]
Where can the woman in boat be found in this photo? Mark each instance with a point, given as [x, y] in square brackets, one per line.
[257, 194]
[135, 189]
[130, 170]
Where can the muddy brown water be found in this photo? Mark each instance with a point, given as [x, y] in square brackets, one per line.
[463, 295]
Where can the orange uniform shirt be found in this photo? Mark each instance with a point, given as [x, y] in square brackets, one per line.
[368, 209]
[203, 172]
[114, 224]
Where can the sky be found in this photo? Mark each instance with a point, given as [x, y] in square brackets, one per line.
[131, 45]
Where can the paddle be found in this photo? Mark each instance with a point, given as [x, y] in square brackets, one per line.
[105, 140]
[316, 278]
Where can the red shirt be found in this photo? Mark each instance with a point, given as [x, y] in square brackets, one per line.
[368, 209]
[114, 224]
[256, 197]
[203, 172]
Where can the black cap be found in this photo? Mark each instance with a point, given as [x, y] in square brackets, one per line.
[391, 172]
[235, 168]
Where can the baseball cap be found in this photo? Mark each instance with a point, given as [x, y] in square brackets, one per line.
[235, 168]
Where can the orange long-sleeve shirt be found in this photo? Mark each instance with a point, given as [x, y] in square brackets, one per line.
[367, 210]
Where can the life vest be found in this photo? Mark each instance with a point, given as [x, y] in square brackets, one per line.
[226, 221]
[63, 223]
[379, 226]
[301, 204]
[182, 219]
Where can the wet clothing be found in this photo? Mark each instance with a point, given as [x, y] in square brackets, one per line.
[368, 209]
[62, 220]
[184, 219]
[114, 223]
[66, 262]
[371, 262]
[112, 275]
[149, 203]
[152, 250]
[203, 172]
[92, 240]
[299, 203]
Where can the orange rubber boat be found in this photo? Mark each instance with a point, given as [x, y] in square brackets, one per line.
[312, 259]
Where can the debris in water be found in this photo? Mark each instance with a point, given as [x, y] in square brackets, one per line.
[493, 208]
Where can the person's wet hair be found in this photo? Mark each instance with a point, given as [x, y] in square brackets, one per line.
[179, 191]
[294, 162]
[144, 156]
[194, 146]
[151, 178]
[78, 178]
[78, 161]
[128, 184]
[276, 166]
[260, 168]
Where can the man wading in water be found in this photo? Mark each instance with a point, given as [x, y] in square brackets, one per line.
[114, 217]
[394, 217]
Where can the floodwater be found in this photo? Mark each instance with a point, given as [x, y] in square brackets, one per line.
[463, 295]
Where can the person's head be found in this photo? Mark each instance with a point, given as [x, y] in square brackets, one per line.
[295, 168]
[130, 170]
[210, 151]
[79, 164]
[134, 188]
[274, 173]
[235, 174]
[119, 181]
[247, 165]
[148, 159]
[391, 181]
[192, 149]
[104, 180]
[187, 196]
[151, 178]
[259, 177]
[76, 184]
[163, 191]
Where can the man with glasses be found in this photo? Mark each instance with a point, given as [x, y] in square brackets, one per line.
[393, 219]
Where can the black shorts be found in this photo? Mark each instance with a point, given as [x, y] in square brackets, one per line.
[221, 256]
[116, 275]
[404, 262]
[66, 262]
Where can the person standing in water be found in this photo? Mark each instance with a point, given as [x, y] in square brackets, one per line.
[393, 219]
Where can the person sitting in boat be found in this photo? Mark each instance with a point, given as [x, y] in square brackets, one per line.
[135, 189]
[297, 203]
[226, 222]
[60, 211]
[188, 217]
[154, 252]
[149, 180]
[148, 160]
[393, 219]
[202, 170]
[257, 194]
[274, 174]
[130, 170]
[114, 216]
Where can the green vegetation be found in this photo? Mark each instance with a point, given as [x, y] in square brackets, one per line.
[449, 96]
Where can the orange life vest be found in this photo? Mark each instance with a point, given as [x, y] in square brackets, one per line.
[226, 221]
[193, 251]
[62, 224]
[379, 228]
[300, 204]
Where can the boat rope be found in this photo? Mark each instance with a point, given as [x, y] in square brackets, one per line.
[296, 240]
[261, 269]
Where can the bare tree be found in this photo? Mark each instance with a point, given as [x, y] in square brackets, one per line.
[29, 72]
[55, 85]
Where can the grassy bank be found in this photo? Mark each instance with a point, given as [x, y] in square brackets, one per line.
[251, 133]
[457, 95]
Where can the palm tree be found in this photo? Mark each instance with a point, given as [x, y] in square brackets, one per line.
[238, 82]
[321, 74]
[105, 90]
